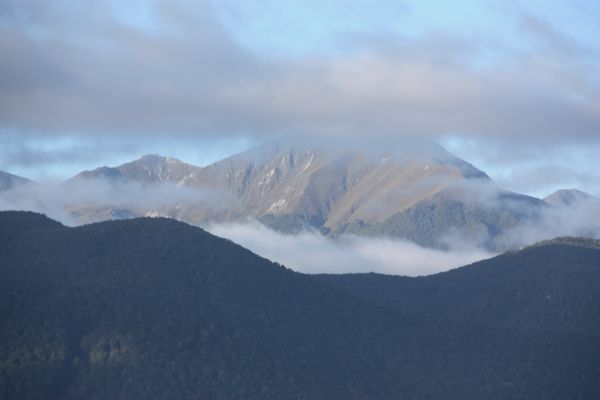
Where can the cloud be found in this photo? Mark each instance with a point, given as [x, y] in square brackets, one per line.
[537, 169]
[83, 201]
[113, 76]
[581, 220]
[184, 73]
[96, 199]
[310, 252]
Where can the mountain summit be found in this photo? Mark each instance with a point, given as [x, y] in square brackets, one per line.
[291, 185]
[151, 168]
[568, 197]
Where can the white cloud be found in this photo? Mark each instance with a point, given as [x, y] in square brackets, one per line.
[310, 252]
[581, 220]
[61, 200]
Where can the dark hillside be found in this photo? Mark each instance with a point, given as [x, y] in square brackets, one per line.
[156, 309]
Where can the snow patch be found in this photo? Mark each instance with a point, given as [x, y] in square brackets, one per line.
[276, 205]
[309, 162]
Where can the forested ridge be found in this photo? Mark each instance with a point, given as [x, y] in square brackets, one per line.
[157, 309]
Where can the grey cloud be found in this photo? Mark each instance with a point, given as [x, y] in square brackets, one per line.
[97, 74]
[62, 200]
[551, 38]
[539, 168]
[582, 220]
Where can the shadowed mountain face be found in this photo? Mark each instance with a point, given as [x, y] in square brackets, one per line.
[153, 308]
[8, 181]
[420, 193]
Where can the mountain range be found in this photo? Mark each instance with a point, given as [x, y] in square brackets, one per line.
[152, 308]
[420, 193]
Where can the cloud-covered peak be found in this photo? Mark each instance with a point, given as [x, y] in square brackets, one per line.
[568, 197]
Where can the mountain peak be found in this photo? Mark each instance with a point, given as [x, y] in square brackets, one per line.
[157, 158]
[567, 197]
[152, 157]
[150, 168]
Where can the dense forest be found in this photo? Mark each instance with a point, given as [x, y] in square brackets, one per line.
[157, 309]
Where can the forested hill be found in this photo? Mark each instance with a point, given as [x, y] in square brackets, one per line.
[546, 286]
[156, 309]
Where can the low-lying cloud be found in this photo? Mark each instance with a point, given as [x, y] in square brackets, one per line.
[91, 199]
[311, 252]
[83, 201]
[581, 220]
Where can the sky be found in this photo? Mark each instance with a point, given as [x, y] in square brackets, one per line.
[512, 87]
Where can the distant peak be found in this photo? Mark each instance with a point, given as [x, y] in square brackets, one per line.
[573, 191]
[567, 197]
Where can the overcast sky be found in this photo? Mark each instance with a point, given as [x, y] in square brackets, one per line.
[512, 88]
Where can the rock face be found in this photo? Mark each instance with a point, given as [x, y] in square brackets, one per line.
[420, 193]
[331, 187]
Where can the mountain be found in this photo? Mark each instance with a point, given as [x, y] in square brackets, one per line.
[151, 168]
[156, 309]
[568, 198]
[8, 181]
[132, 180]
[534, 290]
[327, 187]
[419, 192]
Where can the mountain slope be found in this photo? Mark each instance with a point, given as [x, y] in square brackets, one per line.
[420, 193]
[549, 276]
[568, 198]
[8, 181]
[153, 308]
[328, 186]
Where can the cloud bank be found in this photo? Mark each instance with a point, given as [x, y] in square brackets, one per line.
[310, 252]
[91, 71]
